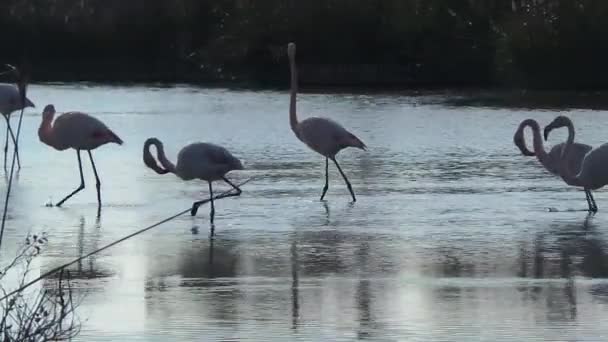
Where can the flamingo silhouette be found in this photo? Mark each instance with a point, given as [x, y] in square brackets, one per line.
[79, 131]
[10, 101]
[204, 161]
[322, 135]
[592, 174]
[551, 161]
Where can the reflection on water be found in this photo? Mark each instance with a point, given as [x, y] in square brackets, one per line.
[450, 239]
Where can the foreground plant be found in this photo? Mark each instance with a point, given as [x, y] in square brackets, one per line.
[44, 314]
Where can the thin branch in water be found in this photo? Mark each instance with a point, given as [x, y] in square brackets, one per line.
[224, 194]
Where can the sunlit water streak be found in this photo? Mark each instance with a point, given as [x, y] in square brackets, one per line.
[450, 238]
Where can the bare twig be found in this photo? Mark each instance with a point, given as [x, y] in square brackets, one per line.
[48, 316]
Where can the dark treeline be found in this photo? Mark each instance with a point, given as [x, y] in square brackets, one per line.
[529, 43]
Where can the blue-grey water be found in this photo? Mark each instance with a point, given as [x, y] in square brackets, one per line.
[450, 239]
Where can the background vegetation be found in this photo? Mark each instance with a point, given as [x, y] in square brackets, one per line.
[529, 43]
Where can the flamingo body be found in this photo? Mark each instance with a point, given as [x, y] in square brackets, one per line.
[326, 136]
[592, 174]
[574, 160]
[205, 161]
[10, 100]
[81, 131]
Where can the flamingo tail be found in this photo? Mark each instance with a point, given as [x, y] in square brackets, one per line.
[353, 141]
[115, 138]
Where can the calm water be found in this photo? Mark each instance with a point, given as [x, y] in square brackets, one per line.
[450, 239]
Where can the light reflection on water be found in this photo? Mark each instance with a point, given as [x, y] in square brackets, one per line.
[450, 238]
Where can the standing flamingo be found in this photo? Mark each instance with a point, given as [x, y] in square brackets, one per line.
[204, 161]
[322, 135]
[10, 101]
[592, 174]
[551, 161]
[79, 131]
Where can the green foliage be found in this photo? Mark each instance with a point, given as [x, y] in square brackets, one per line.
[440, 42]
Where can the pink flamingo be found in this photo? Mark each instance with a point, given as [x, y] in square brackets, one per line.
[592, 174]
[551, 161]
[79, 131]
[204, 161]
[322, 135]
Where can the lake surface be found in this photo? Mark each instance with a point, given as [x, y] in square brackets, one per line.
[450, 239]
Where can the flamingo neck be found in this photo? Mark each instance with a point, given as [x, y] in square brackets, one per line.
[46, 133]
[150, 161]
[565, 171]
[537, 142]
[293, 118]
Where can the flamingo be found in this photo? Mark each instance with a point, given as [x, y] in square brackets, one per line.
[10, 101]
[592, 173]
[322, 135]
[79, 131]
[551, 161]
[198, 160]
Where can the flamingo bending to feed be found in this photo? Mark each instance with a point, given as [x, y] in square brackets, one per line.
[551, 161]
[322, 135]
[79, 131]
[10, 101]
[592, 174]
[204, 161]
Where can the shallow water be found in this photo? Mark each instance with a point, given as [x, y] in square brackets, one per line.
[450, 238]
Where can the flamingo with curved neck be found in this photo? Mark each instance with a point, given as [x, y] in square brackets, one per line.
[551, 161]
[592, 174]
[204, 161]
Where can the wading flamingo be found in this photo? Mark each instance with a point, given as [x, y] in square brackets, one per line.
[551, 161]
[592, 174]
[10, 101]
[322, 135]
[79, 131]
[204, 161]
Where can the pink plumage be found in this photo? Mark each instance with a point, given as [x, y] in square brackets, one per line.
[79, 131]
[76, 130]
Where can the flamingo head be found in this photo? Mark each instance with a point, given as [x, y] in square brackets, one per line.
[149, 160]
[560, 121]
[291, 50]
[519, 141]
[49, 112]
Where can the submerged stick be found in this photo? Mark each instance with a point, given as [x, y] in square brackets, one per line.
[59, 268]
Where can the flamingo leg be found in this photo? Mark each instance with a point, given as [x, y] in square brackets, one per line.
[197, 204]
[350, 188]
[591, 201]
[326, 179]
[6, 143]
[238, 190]
[81, 181]
[212, 213]
[10, 131]
[97, 182]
